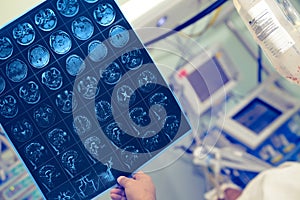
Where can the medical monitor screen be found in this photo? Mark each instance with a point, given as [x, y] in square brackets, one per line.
[257, 115]
[208, 78]
[80, 98]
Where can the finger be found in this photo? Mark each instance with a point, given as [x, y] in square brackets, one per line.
[118, 191]
[117, 197]
[124, 181]
[138, 175]
[232, 194]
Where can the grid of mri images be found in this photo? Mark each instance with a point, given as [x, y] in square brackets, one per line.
[80, 98]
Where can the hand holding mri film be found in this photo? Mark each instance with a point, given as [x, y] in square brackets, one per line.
[81, 99]
[140, 187]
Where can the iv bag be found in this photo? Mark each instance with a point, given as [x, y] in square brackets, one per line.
[275, 26]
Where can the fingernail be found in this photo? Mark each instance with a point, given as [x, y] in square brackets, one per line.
[119, 178]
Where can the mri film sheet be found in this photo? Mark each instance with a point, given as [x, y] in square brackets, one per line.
[80, 98]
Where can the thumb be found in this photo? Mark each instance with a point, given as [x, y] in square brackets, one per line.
[123, 181]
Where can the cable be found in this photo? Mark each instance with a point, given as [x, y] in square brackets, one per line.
[260, 66]
[199, 16]
[209, 24]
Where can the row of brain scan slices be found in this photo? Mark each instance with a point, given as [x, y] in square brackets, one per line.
[52, 78]
[60, 41]
[30, 92]
[39, 56]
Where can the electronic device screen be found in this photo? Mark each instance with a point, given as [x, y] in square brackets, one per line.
[257, 115]
[80, 98]
[203, 81]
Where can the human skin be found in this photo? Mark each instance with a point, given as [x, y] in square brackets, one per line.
[139, 187]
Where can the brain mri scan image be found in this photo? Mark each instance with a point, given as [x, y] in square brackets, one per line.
[86, 185]
[133, 59]
[158, 112]
[65, 195]
[171, 126]
[82, 28]
[30, 92]
[22, 130]
[46, 19]
[87, 87]
[82, 124]
[129, 156]
[44, 116]
[48, 175]
[68, 8]
[38, 56]
[107, 177]
[159, 98]
[16, 70]
[34, 152]
[94, 145]
[6, 48]
[105, 14]
[97, 51]
[111, 74]
[147, 81]
[66, 101]
[8, 106]
[58, 139]
[24, 33]
[60, 42]
[81, 100]
[139, 116]
[52, 78]
[75, 65]
[118, 36]
[115, 132]
[150, 141]
[125, 95]
[103, 110]
[2, 84]
[70, 161]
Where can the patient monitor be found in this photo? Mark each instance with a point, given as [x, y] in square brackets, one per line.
[205, 80]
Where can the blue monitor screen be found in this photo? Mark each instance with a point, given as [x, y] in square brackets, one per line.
[80, 98]
[257, 115]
